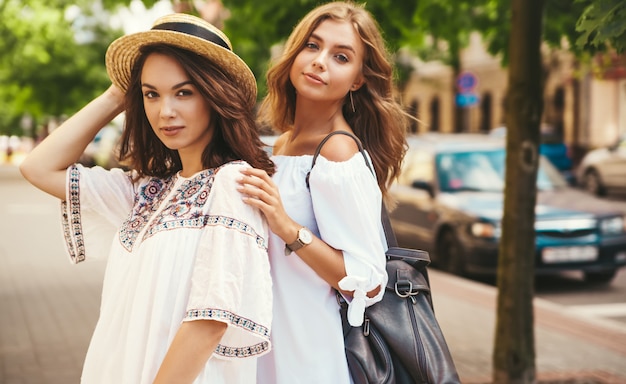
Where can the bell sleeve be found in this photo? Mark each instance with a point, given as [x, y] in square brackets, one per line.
[231, 279]
[97, 202]
[347, 204]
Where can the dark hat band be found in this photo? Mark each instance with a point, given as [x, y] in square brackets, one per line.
[193, 30]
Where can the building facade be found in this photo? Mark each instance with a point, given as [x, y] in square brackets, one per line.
[585, 105]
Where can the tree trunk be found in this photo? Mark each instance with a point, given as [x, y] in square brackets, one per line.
[514, 349]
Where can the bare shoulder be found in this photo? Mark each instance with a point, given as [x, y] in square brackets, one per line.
[280, 142]
[339, 148]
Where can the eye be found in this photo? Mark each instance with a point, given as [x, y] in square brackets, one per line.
[150, 94]
[311, 45]
[341, 57]
[184, 92]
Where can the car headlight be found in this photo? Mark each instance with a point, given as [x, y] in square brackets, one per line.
[485, 229]
[613, 226]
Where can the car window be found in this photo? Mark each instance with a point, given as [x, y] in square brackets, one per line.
[417, 166]
[548, 176]
[476, 170]
[473, 171]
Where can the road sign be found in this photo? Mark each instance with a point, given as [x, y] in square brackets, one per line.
[466, 99]
[466, 82]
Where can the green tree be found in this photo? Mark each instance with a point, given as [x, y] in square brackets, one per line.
[515, 31]
[51, 63]
[603, 24]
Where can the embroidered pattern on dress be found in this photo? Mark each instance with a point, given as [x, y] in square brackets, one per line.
[238, 321]
[72, 227]
[185, 209]
[242, 227]
[147, 200]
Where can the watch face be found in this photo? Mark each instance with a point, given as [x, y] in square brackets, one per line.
[305, 236]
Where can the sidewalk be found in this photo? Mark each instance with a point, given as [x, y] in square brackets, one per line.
[48, 310]
[568, 349]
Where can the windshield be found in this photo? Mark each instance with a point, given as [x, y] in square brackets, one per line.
[484, 171]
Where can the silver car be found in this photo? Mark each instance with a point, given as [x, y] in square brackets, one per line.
[604, 169]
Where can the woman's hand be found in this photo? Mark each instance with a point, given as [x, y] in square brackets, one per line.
[116, 96]
[259, 191]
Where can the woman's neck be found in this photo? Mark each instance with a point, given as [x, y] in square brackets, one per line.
[317, 118]
[190, 165]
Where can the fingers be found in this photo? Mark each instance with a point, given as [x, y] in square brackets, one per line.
[255, 183]
[258, 173]
[259, 191]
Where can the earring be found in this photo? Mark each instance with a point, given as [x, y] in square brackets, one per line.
[352, 102]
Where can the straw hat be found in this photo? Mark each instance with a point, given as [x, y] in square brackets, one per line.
[183, 31]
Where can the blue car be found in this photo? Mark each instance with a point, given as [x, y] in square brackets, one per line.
[450, 203]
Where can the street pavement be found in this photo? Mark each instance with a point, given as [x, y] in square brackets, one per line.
[48, 310]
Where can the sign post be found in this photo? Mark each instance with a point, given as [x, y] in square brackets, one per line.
[466, 83]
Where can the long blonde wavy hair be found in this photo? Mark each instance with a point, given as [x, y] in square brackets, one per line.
[380, 122]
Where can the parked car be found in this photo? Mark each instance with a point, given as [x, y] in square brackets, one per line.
[553, 147]
[604, 169]
[450, 203]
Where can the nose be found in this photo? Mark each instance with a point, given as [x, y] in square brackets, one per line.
[167, 108]
[319, 61]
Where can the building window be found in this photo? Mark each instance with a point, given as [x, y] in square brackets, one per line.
[414, 112]
[434, 114]
[485, 113]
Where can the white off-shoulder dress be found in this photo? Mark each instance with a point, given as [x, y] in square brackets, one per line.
[343, 207]
[185, 249]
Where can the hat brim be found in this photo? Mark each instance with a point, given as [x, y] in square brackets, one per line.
[123, 52]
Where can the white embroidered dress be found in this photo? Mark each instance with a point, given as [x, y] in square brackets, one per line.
[185, 249]
[342, 207]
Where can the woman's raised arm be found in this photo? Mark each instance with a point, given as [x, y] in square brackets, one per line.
[45, 166]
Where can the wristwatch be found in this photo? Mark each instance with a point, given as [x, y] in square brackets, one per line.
[305, 237]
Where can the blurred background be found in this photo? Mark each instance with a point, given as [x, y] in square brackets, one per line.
[452, 60]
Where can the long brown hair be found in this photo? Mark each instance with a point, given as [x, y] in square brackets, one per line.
[236, 136]
[379, 121]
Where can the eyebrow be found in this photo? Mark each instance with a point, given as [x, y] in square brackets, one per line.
[342, 46]
[176, 86]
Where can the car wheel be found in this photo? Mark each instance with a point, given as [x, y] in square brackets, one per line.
[450, 253]
[592, 183]
[600, 277]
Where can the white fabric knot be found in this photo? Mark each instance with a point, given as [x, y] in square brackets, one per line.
[356, 307]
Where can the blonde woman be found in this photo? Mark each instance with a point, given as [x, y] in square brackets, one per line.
[334, 75]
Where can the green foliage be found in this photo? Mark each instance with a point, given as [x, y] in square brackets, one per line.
[46, 71]
[452, 21]
[51, 64]
[445, 22]
[602, 24]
